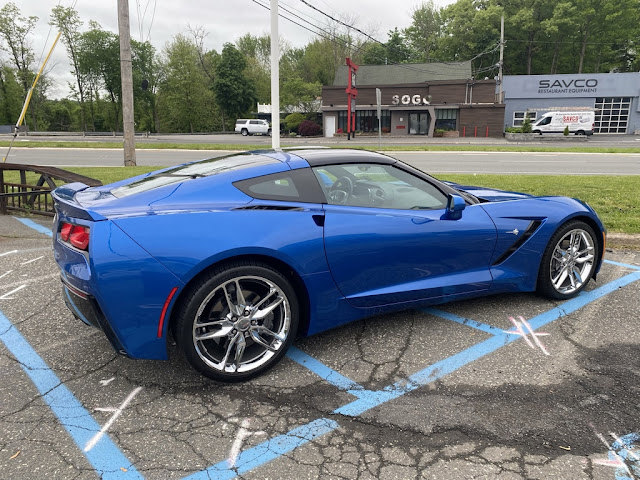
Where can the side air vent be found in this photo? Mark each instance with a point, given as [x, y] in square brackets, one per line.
[531, 228]
[270, 207]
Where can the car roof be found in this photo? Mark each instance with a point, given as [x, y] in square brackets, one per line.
[332, 156]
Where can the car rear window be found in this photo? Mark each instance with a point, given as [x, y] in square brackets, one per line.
[203, 168]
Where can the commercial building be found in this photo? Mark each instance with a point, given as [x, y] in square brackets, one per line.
[416, 99]
[613, 97]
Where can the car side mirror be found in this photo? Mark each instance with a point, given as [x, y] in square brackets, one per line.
[455, 206]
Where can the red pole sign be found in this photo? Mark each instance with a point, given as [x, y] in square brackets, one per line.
[352, 93]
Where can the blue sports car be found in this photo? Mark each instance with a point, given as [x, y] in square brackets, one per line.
[236, 256]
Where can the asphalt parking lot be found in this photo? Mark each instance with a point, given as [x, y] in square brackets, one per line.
[506, 387]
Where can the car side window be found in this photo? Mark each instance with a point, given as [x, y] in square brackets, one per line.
[293, 185]
[379, 186]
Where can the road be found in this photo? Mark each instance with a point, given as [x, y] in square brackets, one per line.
[551, 163]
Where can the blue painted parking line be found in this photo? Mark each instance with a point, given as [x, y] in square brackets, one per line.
[267, 451]
[36, 226]
[483, 327]
[326, 373]
[106, 458]
[455, 362]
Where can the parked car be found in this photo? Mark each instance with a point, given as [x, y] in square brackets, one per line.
[236, 256]
[579, 123]
[252, 126]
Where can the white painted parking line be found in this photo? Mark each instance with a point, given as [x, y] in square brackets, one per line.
[520, 331]
[6, 295]
[6, 273]
[33, 260]
[96, 438]
[8, 253]
[31, 280]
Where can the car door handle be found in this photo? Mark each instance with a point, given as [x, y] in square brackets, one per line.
[319, 219]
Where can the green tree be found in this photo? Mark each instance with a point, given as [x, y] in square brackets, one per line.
[67, 21]
[16, 30]
[298, 94]
[235, 93]
[99, 62]
[424, 31]
[185, 102]
[10, 96]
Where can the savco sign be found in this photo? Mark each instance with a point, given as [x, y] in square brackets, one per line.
[578, 85]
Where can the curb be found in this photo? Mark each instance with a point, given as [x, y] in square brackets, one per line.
[625, 241]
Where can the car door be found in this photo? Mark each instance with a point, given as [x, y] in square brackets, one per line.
[389, 239]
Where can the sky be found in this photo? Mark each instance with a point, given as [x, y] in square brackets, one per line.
[158, 21]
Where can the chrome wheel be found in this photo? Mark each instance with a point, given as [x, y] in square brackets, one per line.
[572, 261]
[241, 324]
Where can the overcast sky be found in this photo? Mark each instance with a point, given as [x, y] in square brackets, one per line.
[223, 20]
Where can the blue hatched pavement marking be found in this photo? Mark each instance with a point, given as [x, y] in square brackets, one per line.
[106, 458]
[368, 399]
[36, 226]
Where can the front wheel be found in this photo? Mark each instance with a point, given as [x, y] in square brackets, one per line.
[569, 261]
[238, 321]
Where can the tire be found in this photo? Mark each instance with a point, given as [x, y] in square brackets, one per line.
[537, 132]
[569, 261]
[244, 132]
[579, 132]
[230, 337]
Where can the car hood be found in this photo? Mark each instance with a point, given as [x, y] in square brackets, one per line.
[490, 194]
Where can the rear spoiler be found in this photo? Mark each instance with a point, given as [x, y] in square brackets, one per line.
[66, 203]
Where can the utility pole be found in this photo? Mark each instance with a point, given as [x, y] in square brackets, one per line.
[275, 77]
[500, 90]
[127, 84]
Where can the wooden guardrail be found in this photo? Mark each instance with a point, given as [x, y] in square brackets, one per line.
[26, 195]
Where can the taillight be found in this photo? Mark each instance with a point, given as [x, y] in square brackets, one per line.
[76, 235]
[65, 231]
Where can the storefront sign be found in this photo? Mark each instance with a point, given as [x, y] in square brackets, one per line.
[415, 99]
[572, 85]
[577, 85]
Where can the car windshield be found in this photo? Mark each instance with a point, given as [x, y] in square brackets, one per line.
[203, 168]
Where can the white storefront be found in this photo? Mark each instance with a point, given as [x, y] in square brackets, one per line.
[613, 96]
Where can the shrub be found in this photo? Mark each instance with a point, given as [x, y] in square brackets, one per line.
[386, 130]
[293, 120]
[309, 129]
[526, 125]
[566, 130]
[513, 130]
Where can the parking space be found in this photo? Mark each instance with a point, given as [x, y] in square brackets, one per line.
[506, 387]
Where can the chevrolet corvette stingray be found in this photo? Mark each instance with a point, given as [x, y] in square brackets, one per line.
[236, 256]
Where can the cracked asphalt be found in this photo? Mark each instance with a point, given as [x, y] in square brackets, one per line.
[508, 413]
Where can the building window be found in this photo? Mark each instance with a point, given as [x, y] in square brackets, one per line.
[518, 117]
[446, 118]
[366, 120]
[612, 114]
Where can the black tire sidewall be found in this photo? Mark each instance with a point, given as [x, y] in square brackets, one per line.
[544, 285]
[196, 295]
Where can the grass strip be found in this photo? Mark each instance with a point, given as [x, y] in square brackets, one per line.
[385, 148]
[615, 198]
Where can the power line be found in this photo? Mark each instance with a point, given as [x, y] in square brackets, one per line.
[341, 22]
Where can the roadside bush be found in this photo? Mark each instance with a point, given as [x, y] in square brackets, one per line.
[526, 125]
[309, 129]
[513, 130]
[293, 121]
[566, 131]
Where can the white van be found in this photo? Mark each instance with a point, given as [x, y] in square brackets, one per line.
[579, 123]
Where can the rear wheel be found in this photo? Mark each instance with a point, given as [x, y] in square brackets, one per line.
[569, 261]
[244, 132]
[238, 322]
[580, 132]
